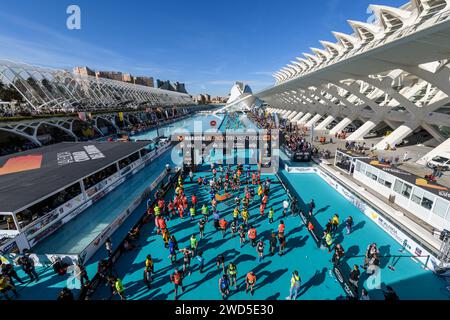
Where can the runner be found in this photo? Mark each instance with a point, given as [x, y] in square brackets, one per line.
[223, 226]
[349, 224]
[285, 208]
[242, 235]
[187, 254]
[171, 208]
[364, 295]
[232, 273]
[370, 252]
[192, 212]
[339, 252]
[28, 267]
[245, 217]
[271, 214]
[201, 226]
[108, 247]
[260, 250]
[250, 282]
[273, 243]
[201, 261]
[328, 240]
[262, 207]
[234, 226]
[120, 290]
[205, 212]
[252, 235]
[216, 218]
[294, 206]
[224, 286]
[6, 286]
[177, 279]
[149, 264]
[173, 248]
[194, 201]
[148, 278]
[220, 261]
[354, 278]
[282, 241]
[335, 223]
[166, 237]
[194, 244]
[296, 284]
[281, 228]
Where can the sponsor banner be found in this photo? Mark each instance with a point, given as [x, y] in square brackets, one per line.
[423, 255]
[44, 260]
[160, 178]
[149, 156]
[89, 153]
[300, 169]
[344, 283]
[8, 243]
[101, 185]
[40, 225]
[43, 234]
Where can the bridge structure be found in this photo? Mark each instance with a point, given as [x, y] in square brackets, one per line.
[391, 72]
[47, 91]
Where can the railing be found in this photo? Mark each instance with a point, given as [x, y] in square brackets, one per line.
[97, 279]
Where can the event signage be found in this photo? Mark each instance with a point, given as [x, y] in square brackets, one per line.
[421, 254]
[90, 153]
[343, 282]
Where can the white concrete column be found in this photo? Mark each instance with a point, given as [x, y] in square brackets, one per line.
[287, 114]
[313, 121]
[397, 136]
[363, 130]
[443, 148]
[305, 118]
[341, 126]
[323, 125]
[298, 117]
[292, 115]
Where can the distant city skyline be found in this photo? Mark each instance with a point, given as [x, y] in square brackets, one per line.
[205, 45]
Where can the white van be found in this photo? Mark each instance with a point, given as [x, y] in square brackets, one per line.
[441, 161]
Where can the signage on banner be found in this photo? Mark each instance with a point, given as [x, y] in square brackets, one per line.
[345, 285]
[407, 242]
[90, 153]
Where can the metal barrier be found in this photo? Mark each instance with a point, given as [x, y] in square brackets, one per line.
[97, 279]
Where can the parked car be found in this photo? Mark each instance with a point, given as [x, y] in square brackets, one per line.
[439, 161]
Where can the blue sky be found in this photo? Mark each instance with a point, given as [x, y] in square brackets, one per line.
[208, 44]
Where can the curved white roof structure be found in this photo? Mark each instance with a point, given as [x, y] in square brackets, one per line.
[51, 89]
[395, 70]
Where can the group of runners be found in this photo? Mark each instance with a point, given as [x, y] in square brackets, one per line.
[241, 188]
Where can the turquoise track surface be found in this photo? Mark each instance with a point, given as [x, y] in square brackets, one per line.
[409, 279]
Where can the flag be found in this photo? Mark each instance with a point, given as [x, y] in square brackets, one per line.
[82, 116]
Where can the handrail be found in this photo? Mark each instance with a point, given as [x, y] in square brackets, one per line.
[96, 280]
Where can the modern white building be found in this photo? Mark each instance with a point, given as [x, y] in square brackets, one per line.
[241, 97]
[394, 72]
